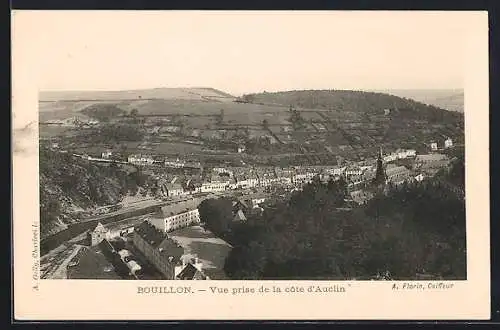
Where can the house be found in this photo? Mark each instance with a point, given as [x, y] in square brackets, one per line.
[174, 189]
[97, 235]
[247, 182]
[353, 170]
[175, 163]
[256, 200]
[215, 185]
[241, 149]
[361, 197]
[160, 250]
[141, 159]
[390, 158]
[431, 161]
[336, 170]
[419, 177]
[134, 267]
[240, 216]
[284, 175]
[448, 143]
[221, 171]
[387, 112]
[403, 154]
[125, 255]
[190, 270]
[434, 146]
[175, 216]
[303, 175]
[397, 174]
[240, 204]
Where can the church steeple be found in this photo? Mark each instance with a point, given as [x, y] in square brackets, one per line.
[380, 173]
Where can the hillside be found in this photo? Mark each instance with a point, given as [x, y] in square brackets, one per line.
[154, 93]
[320, 126]
[340, 100]
[69, 186]
[452, 99]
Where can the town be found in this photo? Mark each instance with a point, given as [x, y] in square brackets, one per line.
[148, 249]
[153, 187]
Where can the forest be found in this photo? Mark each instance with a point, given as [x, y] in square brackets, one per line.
[356, 101]
[405, 231]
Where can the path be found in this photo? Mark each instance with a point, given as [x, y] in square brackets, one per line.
[61, 271]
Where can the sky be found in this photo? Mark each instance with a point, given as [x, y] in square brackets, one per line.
[242, 52]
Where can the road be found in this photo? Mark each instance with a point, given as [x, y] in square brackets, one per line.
[61, 271]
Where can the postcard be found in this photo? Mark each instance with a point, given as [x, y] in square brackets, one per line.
[242, 165]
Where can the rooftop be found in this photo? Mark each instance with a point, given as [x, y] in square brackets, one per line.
[396, 169]
[190, 272]
[180, 207]
[159, 240]
[431, 157]
[150, 234]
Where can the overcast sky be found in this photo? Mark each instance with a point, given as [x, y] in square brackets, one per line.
[242, 52]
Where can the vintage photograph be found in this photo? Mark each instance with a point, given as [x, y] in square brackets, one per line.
[253, 149]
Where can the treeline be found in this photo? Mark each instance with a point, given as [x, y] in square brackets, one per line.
[111, 134]
[410, 230]
[358, 101]
[103, 112]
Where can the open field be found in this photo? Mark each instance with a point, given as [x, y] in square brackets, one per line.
[211, 250]
[153, 93]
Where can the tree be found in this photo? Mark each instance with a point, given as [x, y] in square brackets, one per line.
[265, 124]
[220, 117]
[217, 215]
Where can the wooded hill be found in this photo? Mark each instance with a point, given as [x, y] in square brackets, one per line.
[349, 100]
[70, 185]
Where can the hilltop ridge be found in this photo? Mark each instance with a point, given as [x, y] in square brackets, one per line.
[191, 93]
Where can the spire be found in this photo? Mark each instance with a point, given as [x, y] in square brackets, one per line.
[380, 173]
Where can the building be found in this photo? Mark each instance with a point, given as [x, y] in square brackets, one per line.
[336, 170]
[380, 175]
[107, 154]
[256, 200]
[391, 157]
[354, 170]
[431, 161]
[397, 174]
[215, 186]
[247, 182]
[241, 149]
[434, 146]
[160, 250]
[97, 235]
[176, 216]
[419, 178]
[190, 270]
[361, 197]
[134, 268]
[403, 154]
[175, 163]
[240, 216]
[173, 189]
[141, 159]
[448, 143]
